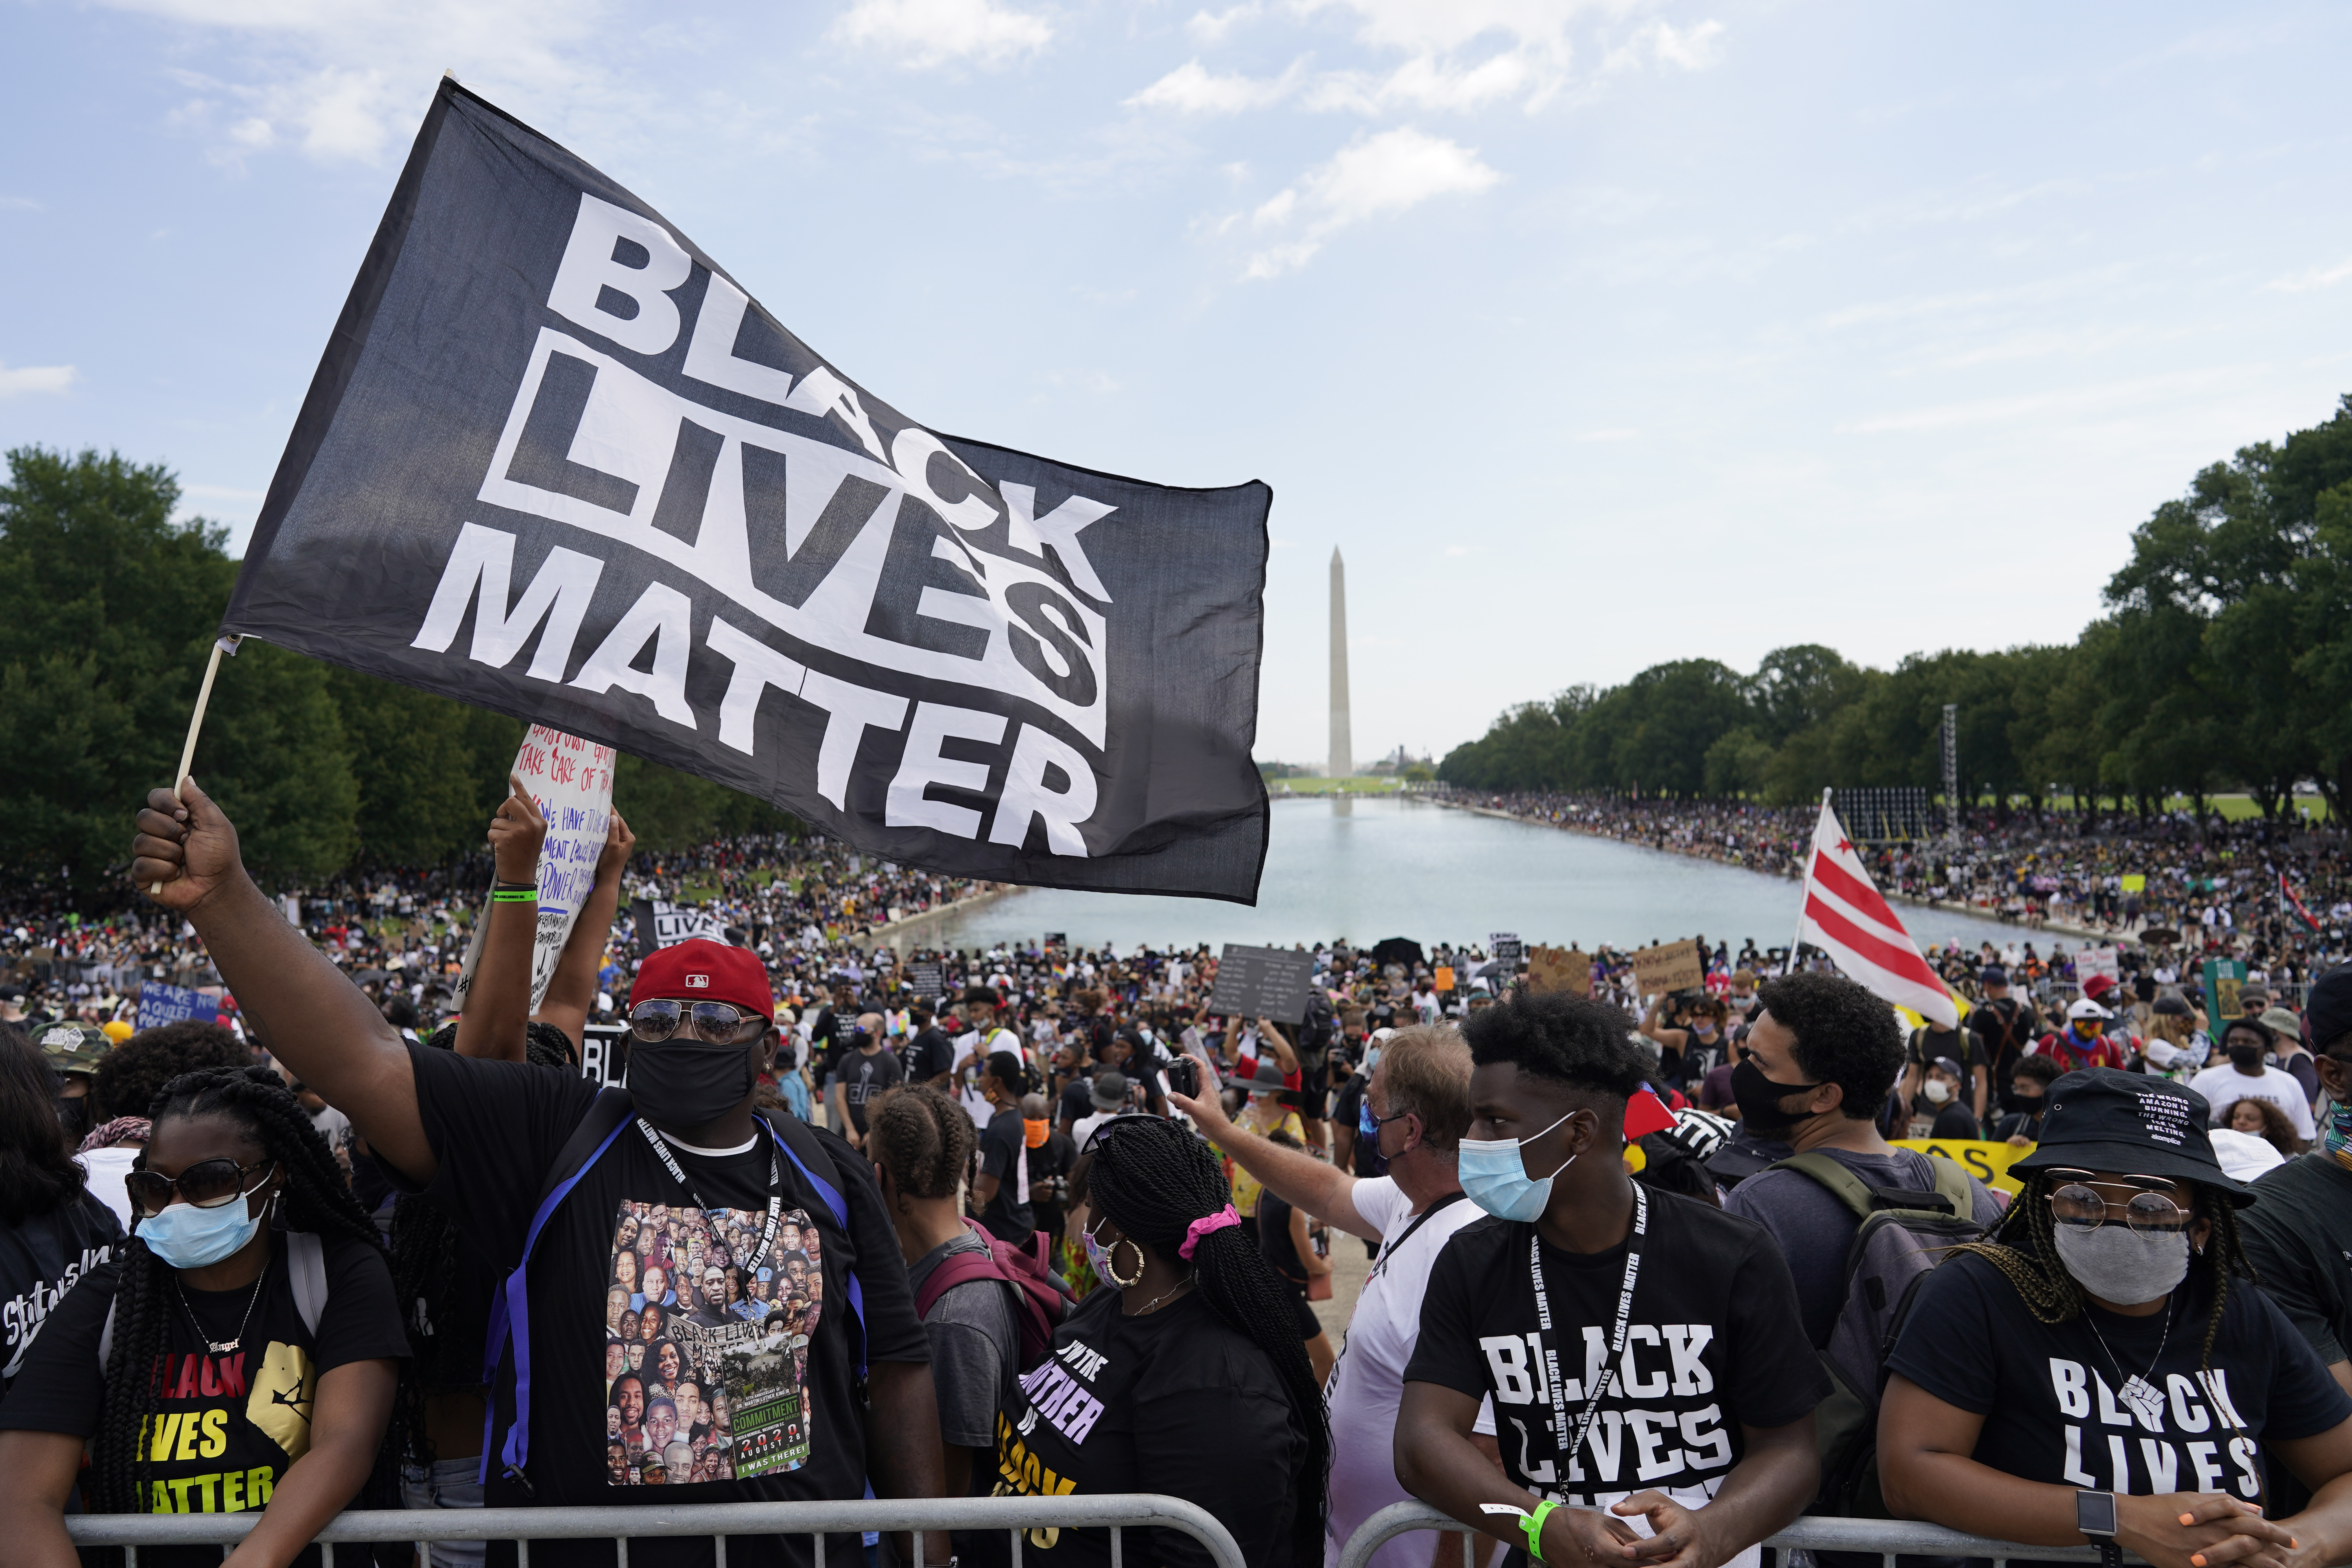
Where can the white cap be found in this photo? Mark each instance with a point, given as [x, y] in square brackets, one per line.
[2084, 1008]
[2242, 1154]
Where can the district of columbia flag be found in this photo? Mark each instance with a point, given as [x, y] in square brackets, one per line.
[1844, 916]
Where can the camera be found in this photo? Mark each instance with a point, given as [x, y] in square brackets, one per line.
[1184, 1075]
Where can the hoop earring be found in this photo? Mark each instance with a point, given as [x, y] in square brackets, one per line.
[1112, 1259]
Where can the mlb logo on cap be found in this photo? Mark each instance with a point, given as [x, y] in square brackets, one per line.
[718, 972]
[698, 983]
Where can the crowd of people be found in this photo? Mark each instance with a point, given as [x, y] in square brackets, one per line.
[2212, 881]
[1037, 1222]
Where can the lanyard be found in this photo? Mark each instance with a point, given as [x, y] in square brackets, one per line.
[775, 1188]
[1607, 1372]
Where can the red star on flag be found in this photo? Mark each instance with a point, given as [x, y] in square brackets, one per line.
[1845, 846]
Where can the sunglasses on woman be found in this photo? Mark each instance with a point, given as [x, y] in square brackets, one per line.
[207, 1185]
[713, 1021]
[2074, 1202]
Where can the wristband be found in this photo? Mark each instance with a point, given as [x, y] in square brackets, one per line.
[1533, 1525]
[515, 896]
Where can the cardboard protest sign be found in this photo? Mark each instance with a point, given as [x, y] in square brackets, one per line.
[1262, 982]
[571, 782]
[1669, 966]
[556, 462]
[661, 924]
[160, 1003]
[1565, 969]
[2096, 960]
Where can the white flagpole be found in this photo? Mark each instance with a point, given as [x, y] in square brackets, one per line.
[1812, 847]
[195, 728]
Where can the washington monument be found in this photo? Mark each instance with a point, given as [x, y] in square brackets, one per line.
[1343, 745]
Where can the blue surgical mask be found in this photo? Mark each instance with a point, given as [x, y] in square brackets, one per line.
[1495, 1176]
[186, 1236]
[1371, 1059]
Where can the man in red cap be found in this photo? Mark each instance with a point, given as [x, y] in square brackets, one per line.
[650, 1195]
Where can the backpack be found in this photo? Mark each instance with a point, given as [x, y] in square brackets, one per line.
[306, 1264]
[1899, 1240]
[1040, 1301]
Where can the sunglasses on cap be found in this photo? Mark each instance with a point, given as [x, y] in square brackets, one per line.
[207, 1185]
[715, 1022]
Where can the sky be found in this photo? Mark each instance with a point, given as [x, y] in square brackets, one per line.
[1594, 334]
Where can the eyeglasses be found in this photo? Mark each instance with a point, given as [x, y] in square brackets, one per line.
[713, 1021]
[207, 1185]
[2074, 1202]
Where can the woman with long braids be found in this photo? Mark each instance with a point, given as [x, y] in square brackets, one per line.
[2103, 1370]
[1185, 1375]
[192, 1370]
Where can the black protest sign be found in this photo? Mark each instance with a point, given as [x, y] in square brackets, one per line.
[557, 463]
[661, 925]
[926, 976]
[1263, 983]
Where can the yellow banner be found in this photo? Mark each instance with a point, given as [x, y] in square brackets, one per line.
[2135, 883]
[1988, 1163]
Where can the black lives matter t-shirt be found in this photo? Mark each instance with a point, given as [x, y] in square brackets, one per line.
[669, 1348]
[2049, 1393]
[1713, 1343]
[227, 1427]
[1174, 1400]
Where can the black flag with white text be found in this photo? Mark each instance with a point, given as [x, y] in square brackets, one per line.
[556, 463]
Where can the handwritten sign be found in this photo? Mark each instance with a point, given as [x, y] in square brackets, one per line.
[1507, 950]
[1262, 982]
[1669, 966]
[2096, 961]
[1565, 969]
[571, 782]
[160, 1003]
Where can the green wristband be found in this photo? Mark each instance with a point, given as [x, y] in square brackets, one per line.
[1533, 1525]
[516, 896]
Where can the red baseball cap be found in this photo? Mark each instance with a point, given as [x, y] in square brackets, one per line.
[700, 970]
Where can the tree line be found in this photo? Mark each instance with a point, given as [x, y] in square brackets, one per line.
[2223, 662]
[108, 611]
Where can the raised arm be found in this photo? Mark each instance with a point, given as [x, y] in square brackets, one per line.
[326, 1028]
[1270, 1033]
[571, 989]
[1296, 1178]
[497, 1003]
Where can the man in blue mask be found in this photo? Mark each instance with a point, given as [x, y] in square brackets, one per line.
[1634, 1340]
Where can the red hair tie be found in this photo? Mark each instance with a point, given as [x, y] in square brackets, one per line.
[1201, 1227]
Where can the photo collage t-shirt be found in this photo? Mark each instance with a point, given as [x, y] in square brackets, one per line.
[227, 1425]
[2052, 1394]
[705, 1367]
[1712, 1344]
[769, 1359]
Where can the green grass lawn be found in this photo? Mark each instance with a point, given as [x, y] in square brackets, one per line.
[2233, 807]
[1334, 786]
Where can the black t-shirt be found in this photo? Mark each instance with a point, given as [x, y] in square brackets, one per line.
[41, 1260]
[2006, 1029]
[1956, 1122]
[774, 1337]
[1347, 1111]
[227, 1428]
[862, 1076]
[2298, 1235]
[1962, 1046]
[1713, 1344]
[2048, 1392]
[1005, 1154]
[1174, 1402]
[1078, 1101]
[931, 1054]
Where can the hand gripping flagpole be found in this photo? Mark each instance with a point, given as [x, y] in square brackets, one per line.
[195, 727]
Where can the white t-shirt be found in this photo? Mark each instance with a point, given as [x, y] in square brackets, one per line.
[2224, 1086]
[107, 1167]
[1367, 1382]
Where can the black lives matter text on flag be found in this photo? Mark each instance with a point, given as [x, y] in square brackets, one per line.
[557, 463]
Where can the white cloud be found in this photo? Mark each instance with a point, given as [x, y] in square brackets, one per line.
[1426, 82]
[1191, 89]
[1663, 43]
[932, 32]
[2317, 277]
[1373, 176]
[1210, 27]
[35, 378]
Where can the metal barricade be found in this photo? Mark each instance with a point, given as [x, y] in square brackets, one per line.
[1115, 1512]
[1884, 1538]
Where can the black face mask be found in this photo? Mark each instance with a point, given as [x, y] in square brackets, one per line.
[73, 1115]
[2246, 1058]
[2031, 1104]
[677, 1086]
[1760, 1098]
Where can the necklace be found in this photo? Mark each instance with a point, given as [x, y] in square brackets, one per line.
[219, 1347]
[1161, 1300]
[2143, 1396]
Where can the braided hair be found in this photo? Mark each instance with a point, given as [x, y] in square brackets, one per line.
[444, 1336]
[2023, 1246]
[923, 1137]
[1153, 1179]
[312, 1196]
